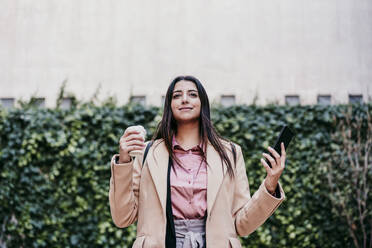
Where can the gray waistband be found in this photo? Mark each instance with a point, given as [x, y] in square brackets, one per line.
[190, 233]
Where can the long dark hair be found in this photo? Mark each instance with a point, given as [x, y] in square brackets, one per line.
[167, 127]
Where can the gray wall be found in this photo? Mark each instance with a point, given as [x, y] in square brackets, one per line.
[246, 48]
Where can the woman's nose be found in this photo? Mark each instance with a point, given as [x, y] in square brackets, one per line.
[184, 98]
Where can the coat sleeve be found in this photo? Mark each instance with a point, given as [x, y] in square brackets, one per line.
[124, 190]
[251, 212]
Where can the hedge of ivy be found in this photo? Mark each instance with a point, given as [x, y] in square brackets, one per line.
[55, 173]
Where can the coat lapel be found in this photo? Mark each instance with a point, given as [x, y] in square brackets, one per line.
[158, 165]
[215, 174]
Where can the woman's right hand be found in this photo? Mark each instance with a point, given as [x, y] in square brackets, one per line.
[131, 140]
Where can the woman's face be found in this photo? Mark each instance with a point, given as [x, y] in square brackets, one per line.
[185, 102]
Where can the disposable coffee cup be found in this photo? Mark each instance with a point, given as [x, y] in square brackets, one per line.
[142, 131]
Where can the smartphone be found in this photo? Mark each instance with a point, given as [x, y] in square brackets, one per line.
[285, 136]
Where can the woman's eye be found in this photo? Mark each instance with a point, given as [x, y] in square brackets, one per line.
[194, 94]
[175, 96]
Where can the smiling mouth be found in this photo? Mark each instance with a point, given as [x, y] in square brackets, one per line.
[185, 108]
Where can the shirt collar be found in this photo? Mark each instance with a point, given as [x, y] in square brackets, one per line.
[175, 144]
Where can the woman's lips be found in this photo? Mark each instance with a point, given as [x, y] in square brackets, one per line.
[185, 109]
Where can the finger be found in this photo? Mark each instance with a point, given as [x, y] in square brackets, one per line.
[282, 159]
[271, 160]
[127, 145]
[128, 132]
[135, 142]
[267, 167]
[134, 148]
[134, 137]
[128, 149]
[283, 149]
[275, 153]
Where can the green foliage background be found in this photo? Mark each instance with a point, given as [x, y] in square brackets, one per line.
[55, 172]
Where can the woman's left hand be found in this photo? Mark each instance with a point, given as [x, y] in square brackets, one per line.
[277, 163]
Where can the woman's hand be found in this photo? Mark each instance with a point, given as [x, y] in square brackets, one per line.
[131, 140]
[277, 163]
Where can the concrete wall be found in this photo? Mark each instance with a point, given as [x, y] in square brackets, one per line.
[246, 48]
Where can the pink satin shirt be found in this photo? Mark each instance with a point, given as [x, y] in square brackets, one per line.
[188, 183]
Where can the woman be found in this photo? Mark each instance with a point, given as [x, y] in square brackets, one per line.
[192, 190]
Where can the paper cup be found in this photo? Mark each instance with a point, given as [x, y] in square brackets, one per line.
[142, 131]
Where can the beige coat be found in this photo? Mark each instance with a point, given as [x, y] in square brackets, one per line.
[140, 195]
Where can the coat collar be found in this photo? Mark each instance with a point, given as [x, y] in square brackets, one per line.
[158, 164]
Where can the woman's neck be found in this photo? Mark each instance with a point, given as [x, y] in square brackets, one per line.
[188, 135]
